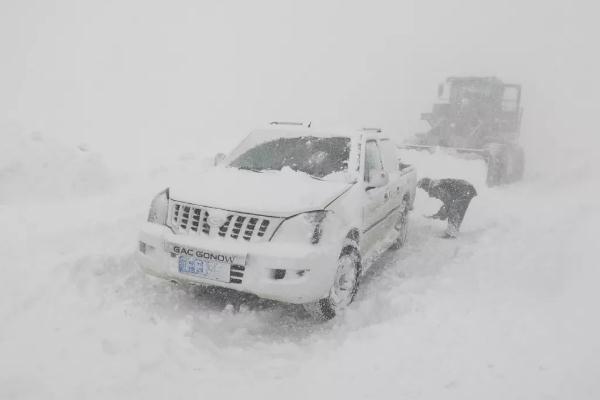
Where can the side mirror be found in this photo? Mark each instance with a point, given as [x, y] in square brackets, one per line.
[219, 158]
[377, 178]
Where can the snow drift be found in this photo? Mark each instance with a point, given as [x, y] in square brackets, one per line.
[34, 167]
[506, 311]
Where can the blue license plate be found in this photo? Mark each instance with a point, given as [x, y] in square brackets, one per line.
[204, 269]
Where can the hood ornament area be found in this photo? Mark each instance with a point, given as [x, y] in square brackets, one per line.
[216, 218]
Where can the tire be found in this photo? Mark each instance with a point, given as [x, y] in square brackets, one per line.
[517, 163]
[506, 163]
[402, 227]
[496, 164]
[343, 290]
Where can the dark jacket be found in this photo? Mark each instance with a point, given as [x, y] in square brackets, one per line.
[449, 190]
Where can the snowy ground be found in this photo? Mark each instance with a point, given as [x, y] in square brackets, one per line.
[507, 311]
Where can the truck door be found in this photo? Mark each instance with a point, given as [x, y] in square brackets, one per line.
[398, 185]
[375, 198]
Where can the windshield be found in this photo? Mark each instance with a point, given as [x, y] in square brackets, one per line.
[316, 156]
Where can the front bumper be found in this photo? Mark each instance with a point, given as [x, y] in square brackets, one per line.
[309, 269]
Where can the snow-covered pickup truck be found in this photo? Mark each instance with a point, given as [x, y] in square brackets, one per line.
[292, 214]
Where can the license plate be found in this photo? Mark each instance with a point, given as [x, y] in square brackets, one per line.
[204, 263]
[204, 269]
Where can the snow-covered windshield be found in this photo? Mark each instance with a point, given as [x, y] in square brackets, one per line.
[316, 156]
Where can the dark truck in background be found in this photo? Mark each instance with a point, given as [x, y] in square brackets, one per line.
[478, 116]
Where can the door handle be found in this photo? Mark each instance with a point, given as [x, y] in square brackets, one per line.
[386, 196]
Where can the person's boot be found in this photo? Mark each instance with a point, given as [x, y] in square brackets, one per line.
[451, 232]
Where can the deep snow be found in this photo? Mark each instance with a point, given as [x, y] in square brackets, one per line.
[509, 310]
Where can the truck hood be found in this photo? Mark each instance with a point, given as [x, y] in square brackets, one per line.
[272, 193]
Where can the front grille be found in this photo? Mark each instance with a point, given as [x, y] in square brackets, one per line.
[186, 218]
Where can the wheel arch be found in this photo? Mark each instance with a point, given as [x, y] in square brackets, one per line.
[352, 244]
[353, 236]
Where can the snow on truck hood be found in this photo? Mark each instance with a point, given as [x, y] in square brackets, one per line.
[273, 193]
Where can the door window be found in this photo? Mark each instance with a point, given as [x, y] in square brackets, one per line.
[372, 158]
[390, 157]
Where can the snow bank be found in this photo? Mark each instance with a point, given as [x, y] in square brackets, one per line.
[34, 167]
[440, 164]
[508, 310]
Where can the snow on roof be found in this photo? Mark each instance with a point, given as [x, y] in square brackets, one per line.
[294, 131]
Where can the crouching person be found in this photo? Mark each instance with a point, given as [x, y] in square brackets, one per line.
[456, 194]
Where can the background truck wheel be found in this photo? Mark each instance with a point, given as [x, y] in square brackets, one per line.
[515, 164]
[496, 164]
[401, 227]
[343, 290]
[506, 163]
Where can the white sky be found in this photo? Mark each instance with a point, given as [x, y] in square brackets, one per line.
[136, 78]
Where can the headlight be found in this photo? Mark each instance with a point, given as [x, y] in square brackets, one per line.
[159, 208]
[306, 227]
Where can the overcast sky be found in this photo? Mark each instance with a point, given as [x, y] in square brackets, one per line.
[132, 78]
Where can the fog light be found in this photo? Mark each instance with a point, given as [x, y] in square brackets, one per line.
[278, 273]
[145, 248]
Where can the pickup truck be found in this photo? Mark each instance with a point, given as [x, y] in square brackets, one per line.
[291, 214]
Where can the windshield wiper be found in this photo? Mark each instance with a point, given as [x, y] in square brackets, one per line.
[260, 171]
[249, 169]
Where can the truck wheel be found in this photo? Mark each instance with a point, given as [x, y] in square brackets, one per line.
[343, 290]
[517, 163]
[496, 164]
[401, 227]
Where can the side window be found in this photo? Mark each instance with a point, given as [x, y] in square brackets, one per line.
[372, 158]
[390, 157]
